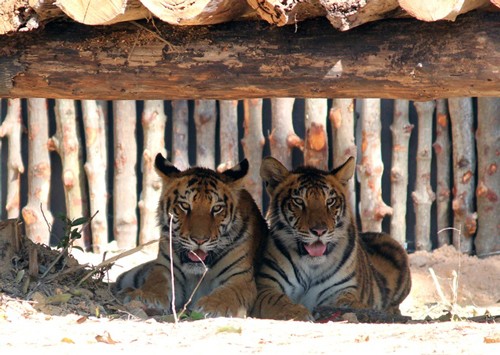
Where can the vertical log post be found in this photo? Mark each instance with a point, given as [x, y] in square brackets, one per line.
[205, 117]
[11, 128]
[125, 176]
[283, 138]
[38, 173]
[153, 126]
[66, 142]
[371, 206]
[423, 196]
[253, 143]
[401, 132]
[488, 189]
[464, 169]
[96, 167]
[228, 117]
[442, 150]
[342, 122]
[316, 141]
[180, 127]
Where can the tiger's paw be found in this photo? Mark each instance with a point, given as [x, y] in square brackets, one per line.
[295, 312]
[212, 306]
[152, 301]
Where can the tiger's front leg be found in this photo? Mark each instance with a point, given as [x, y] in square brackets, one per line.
[349, 300]
[272, 304]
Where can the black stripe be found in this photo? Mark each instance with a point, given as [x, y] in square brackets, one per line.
[244, 271]
[275, 267]
[230, 266]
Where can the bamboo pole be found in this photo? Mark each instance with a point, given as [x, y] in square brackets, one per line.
[342, 122]
[253, 143]
[125, 177]
[153, 125]
[371, 206]
[180, 124]
[442, 150]
[464, 166]
[401, 131]
[11, 128]
[38, 174]
[423, 196]
[228, 136]
[205, 117]
[488, 189]
[96, 168]
[316, 141]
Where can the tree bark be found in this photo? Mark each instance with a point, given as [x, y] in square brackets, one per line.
[316, 140]
[283, 138]
[440, 10]
[464, 169]
[205, 117]
[423, 196]
[66, 142]
[253, 143]
[125, 176]
[228, 118]
[442, 149]
[401, 132]
[11, 128]
[371, 206]
[488, 190]
[38, 174]
[342, 122]
[248, 60]
[10, 244]
[180, 123]
[285, 12]
[96, 167]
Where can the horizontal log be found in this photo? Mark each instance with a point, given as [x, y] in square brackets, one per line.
[404, 58]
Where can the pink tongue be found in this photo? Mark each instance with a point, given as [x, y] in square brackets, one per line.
[197, 255]
[316, 248]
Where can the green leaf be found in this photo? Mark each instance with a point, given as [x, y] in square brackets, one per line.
[79, 221]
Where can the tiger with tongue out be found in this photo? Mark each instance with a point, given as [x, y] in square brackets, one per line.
[213, 223]
[314, 256]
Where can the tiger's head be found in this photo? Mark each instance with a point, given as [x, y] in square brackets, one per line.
[198, 208]
[308, 210]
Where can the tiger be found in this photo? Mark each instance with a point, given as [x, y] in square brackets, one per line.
[315, 257]
[216, 231]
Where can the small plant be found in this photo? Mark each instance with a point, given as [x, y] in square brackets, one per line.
[72, 231]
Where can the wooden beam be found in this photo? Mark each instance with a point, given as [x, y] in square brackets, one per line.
[404, 58]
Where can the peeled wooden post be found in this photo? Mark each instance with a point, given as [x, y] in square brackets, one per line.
[11, 128]
[316, 141]
[38, 173]
[153, 127]
[442, 150]
[371, 206]
[342, 122]
[283, 138]
[66, 142]
[488, 188]
[253, 142]
[125, 177]
[205, 117]
[401, 132]
[228, 118]
[423, 196]
[96, 167]
[180, 127]
[464, 169]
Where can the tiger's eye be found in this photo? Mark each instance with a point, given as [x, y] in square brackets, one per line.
[298, 201]
[331, 201]
[184, 206]
[217, 209]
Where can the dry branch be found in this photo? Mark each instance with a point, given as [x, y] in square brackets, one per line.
[371, 206]
[246, 60]
[180, 124]
[125, 175]
[426, 10]
[316, 139]
[39, 172]
[205, 116]
[423, 196]
[228, 118]
[442, 150]
[11, 128]
[488, 190]
[464, 169]
[10, 243]
[401, 131]
[153, 127]
[253, 142]
[342, 122]
[96, 167]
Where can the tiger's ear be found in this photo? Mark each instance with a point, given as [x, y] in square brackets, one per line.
[272, 173]
[164, 168]
[237, 172]
[344, 172]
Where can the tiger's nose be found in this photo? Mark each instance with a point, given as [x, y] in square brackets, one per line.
[318, 230]
[199, 240]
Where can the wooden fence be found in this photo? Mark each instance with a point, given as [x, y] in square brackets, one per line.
[432, 180]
